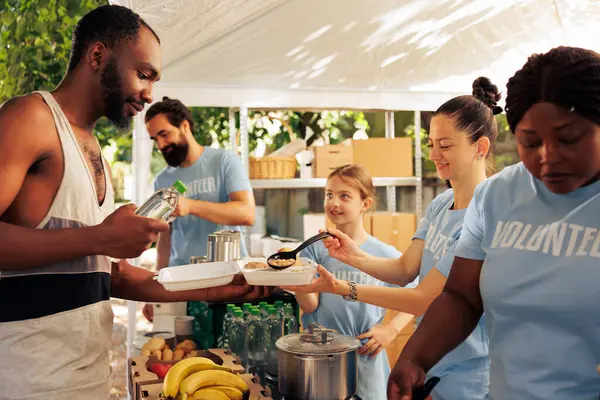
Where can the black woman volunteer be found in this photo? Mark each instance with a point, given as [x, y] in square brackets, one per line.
[529, 251]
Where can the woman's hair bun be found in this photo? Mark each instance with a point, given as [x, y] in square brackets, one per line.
[165, 98]
[487, 92]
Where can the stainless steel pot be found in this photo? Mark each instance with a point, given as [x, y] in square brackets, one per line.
[319, 364]
[223, 246]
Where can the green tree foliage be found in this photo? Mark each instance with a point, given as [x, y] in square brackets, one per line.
[35, 43]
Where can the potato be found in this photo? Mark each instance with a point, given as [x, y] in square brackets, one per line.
[156, 353]
[167, 354]
[193, 353]
[187, 346]
[157, 343]
[178, 355]
[187, 342]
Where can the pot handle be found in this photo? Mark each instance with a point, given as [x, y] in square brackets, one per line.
[329, 357]
[313, 358]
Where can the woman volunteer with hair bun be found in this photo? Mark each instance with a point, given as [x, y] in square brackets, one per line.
[462, 133]
[529, 252]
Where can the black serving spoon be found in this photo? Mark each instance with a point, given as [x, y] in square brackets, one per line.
[288, 258]
[422, 392]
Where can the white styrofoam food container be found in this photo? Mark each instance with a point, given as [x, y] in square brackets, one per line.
[301, 273]
[197, 276]
[206, 275]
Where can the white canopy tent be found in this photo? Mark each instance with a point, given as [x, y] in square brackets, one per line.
[353, 54]
[348, 54]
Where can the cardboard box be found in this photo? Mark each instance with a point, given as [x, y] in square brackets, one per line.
[140, 376]
[257, 392]
[396, 229]
[394, 349]
[384, 157]
[313, 222]
[329, 157]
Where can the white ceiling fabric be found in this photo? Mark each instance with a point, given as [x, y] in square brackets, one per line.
[384, 54]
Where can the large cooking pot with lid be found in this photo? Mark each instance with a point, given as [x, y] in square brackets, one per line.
[223, 246]
[319, 364]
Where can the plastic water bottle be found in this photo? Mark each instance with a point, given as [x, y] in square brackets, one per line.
[238, 337]
[290, 325]
[224, 342]
[272, 333]
[246, 307]
[279, 307]
[162, 203]
[263, 310]
[256, 340]
[204, 332]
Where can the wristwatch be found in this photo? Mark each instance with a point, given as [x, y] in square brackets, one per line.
[352, 295]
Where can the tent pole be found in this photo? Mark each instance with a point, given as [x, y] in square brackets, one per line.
[140, 166]
[244, 138]
[418, 166]
[390, 134]
[232, 130]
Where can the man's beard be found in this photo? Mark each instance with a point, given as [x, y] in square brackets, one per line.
[114, 98]
[178, 153]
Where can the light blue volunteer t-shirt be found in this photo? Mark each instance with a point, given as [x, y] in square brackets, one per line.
[464, 372]
[539, 284]
[354, 318]
[214, 176]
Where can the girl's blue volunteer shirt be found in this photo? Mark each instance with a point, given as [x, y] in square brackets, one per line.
[354, 318]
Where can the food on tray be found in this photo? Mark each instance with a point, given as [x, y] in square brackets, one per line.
[156, 343]
[192, 375]
[155, 348]
[286, 249]
[160, 369]
[178, 354]
[167, 354]
[156, 353]
[193, 353]
[187, 346]
[283, 262]
[256, 265]
[210, 379]
[209, 394]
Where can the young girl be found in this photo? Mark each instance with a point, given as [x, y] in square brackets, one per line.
[349, 194]
[462, 132]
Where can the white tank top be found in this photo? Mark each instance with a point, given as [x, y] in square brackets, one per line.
[75, 204]
[56, 320]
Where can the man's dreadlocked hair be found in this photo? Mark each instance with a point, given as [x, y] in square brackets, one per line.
[568, 77]
[107, 24]
[175, 111]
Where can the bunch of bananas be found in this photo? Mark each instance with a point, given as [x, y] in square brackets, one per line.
[199, 378]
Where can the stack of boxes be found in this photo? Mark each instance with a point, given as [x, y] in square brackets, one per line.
[382, 157]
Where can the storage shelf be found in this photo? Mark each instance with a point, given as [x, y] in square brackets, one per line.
[320, 182]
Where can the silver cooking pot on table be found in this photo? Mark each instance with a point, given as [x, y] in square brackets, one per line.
[319, 364]
[224, 246]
